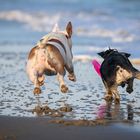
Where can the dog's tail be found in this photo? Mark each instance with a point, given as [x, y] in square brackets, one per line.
[137, 75]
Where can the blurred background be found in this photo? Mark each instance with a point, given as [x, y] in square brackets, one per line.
[97, 24]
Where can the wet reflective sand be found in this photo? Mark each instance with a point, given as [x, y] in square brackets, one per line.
[84, 101]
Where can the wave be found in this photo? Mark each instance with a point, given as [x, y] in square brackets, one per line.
[43, 22]
[118, 35]
[36, 21]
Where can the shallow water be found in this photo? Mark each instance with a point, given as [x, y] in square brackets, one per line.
[85, 97]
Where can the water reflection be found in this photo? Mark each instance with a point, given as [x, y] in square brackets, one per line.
[107, 111]
[130, 112]
[116, 112]
[42, 110]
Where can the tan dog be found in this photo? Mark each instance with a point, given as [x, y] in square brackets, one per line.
[52, 56]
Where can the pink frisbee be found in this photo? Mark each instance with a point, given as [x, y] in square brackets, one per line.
[97, 66]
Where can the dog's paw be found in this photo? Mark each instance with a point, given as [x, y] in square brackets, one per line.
[41, 83]
[64, 89]
[41, 80]
[117, 100]
[122, 84]
[108, 98]
[129, 90]
[37, 90]
[72, 77]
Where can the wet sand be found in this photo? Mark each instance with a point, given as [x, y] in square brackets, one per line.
[39, 128]
[82, 113]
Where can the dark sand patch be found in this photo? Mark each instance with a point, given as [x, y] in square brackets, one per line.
[39, 128]
[45, 110]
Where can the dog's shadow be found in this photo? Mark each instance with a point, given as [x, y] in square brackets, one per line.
[45, 110]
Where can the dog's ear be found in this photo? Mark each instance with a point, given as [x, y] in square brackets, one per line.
[102, 54]
[69, 29]
[126, 54]
[55, 28]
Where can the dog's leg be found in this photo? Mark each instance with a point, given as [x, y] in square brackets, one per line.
[63, 87]
[41, 80]
[33, 76]
[109, 95]
[56, 61]
[137, 75]
[129, 88]
[37, 89]
[60, 76]
[110, 92]
[71, 74]
[116, 94]
[59, 67]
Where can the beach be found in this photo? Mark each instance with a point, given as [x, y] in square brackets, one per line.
[14, 128]
[82, 113]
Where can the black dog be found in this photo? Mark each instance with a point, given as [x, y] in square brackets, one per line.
[116, 70]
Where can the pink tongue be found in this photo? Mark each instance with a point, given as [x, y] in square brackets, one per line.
[96, 66]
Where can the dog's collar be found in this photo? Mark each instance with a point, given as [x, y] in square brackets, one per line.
[59, 45]
[57, 41]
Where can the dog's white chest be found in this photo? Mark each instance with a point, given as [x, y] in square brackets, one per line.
[122, 75]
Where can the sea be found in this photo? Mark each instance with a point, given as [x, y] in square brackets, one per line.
[97, 24]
